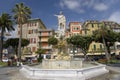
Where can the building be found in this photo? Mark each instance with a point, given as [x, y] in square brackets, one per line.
[43, 39]
[75, 28]
[30, 31]
[91, 25]
[112, 25]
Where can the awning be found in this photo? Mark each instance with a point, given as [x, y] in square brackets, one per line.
[30, 55]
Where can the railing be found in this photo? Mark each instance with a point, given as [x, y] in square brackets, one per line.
[44, 40]
[47, 47]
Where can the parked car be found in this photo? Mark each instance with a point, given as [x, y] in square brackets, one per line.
[5, 59]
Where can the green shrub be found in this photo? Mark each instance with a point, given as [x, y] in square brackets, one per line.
[40, 59]
[3, 63]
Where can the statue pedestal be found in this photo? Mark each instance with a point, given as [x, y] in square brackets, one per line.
[61, 64]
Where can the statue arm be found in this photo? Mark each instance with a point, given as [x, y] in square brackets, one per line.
[56, 15]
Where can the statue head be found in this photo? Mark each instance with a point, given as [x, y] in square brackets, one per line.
[61, 12]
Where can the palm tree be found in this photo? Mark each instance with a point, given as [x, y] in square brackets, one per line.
[100, 35]
[21, 15]
[6, 24]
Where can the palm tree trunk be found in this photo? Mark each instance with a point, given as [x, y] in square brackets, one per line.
[106, 51]
[1, 45]
[19, 45]
[109, 51]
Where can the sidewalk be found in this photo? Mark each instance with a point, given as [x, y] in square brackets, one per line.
[114, 73]
[114, 67]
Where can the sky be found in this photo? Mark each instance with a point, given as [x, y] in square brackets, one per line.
[74, 10]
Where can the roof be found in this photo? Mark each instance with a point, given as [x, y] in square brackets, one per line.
[37, 19]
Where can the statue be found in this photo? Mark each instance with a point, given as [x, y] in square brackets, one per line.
[61, 24]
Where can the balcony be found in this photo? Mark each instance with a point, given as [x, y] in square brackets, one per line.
[47, 47]
[47, 34]
[43, 40]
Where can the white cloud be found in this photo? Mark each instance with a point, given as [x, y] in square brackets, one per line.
[115, 16]
[72, 5]
[100, 7]
[81, 5]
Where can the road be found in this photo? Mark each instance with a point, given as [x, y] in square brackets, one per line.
[7, 72]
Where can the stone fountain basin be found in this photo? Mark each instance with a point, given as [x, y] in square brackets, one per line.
[63, 74]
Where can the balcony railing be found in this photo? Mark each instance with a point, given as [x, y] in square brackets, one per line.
[44, 40]
[47, 47]
[45, 34]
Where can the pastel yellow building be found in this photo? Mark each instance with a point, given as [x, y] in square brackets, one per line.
[89, 27]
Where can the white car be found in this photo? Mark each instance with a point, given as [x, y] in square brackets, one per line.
[5, 60]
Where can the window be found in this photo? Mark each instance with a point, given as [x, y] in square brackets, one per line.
[34, 30]
[100, 46]
[33, 49]
[85, 31]
[92, 25]
[40, 33]
[94, 47]
[27, 24]
[30, 24]
[74, 28]
[34, 40]
[35, 24]
[77, 28]
[31, 40]
[28, 31]
[48, 33]
[93, 32]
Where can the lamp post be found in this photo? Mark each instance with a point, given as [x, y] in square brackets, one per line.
[73, 52]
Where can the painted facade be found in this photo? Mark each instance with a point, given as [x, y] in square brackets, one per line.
[75, 28]
[30, 31]
[44, 36]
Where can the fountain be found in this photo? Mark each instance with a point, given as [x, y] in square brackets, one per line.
[63, 67]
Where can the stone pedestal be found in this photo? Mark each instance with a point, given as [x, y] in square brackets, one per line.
[61, 64]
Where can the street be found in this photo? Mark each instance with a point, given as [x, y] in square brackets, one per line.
[7, 72]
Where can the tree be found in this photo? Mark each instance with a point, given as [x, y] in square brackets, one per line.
[14, 43]
[6, 24]
[21, 15]
[118, 37]
[39, 52]
[105, 36]
[53, 41]
[82, 42]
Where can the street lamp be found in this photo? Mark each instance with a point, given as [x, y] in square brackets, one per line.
[73, 52]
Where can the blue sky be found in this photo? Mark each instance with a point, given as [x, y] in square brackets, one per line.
[74, 10]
